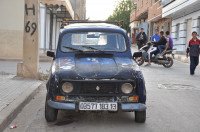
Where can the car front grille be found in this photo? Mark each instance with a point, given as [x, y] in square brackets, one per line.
[98, 88]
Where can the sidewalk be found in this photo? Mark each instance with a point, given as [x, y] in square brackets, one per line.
[15, 93]
[42, 58]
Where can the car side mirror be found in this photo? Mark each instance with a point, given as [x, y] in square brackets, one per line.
[50, 54]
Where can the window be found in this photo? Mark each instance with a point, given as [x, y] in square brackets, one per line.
[142, 3]
[93, 41]
[138, 4]
[177, 31]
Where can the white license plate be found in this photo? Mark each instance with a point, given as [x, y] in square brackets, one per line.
[97, 106]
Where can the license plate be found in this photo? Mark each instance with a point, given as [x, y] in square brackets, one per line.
[97, 106]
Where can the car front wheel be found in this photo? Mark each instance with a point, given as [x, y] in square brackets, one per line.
[140, 116]
[50, 113]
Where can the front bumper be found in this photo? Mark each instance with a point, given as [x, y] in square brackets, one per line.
[73, 106]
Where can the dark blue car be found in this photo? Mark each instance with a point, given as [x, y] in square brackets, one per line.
[94, 70]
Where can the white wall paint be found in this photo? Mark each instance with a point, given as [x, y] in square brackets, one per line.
[181, 42]
[176, 6]
[11, 14]
[42, 25]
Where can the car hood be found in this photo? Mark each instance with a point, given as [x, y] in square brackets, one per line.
[95, 67]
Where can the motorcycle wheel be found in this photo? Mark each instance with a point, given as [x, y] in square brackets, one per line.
[170, 60]
[139, 60]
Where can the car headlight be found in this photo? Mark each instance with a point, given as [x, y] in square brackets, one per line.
[67, 87]
[127, 88]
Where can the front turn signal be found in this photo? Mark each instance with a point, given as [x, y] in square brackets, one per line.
[60, 98]
[134, 98]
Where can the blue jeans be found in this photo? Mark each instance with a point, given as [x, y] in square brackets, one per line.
[162, 47]
[194, 61]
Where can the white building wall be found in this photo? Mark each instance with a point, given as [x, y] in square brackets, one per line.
[180, 43]
[47, 31]
[42, 26]
[11, 28]
[57, 32]
[54, 33]
[12, 15]
[176, 6]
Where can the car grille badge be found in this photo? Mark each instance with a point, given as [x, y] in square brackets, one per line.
[97, 88]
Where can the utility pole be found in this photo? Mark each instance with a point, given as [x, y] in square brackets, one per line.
[29, 67]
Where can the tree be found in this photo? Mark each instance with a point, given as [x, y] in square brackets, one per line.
[122, 12]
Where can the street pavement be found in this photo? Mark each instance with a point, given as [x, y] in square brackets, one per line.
[172, 106]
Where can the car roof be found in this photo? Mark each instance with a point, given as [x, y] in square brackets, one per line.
[89, 26]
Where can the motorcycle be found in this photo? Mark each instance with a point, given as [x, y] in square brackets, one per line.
[143, 56]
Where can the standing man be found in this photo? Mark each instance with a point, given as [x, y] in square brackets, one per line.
[156, 36]
[169, 45]
[141, 38]
[193, 48]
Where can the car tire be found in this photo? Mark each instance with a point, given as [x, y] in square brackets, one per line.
[50, 113]
[140, 116]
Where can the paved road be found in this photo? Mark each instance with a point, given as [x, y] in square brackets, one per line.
[173, 98]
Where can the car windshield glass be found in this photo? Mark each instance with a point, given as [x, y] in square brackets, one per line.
[93, 41]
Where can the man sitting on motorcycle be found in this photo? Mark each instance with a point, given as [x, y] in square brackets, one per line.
[163, 48]
[155, 38]
[162, 41]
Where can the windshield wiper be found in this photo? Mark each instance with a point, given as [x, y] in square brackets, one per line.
[92, 48]
[73, 49]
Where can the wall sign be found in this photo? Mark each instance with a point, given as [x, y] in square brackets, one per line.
[30, 26]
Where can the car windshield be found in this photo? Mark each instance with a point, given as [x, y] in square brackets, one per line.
[93, 41]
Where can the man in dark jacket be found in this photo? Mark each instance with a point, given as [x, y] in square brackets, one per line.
[141, 38]
[162, 41]
[193, 49]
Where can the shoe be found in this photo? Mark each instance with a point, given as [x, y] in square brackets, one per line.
[160, 57]
[147, 65]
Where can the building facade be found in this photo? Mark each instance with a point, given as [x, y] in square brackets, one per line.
[139, 18]
[52, 13]
[79, 7]
[148, 15]
[185, 16]
[155, 18]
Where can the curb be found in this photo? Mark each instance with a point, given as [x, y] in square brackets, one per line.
[11, 111]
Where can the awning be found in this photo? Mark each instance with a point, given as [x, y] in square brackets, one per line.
[63, 8]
